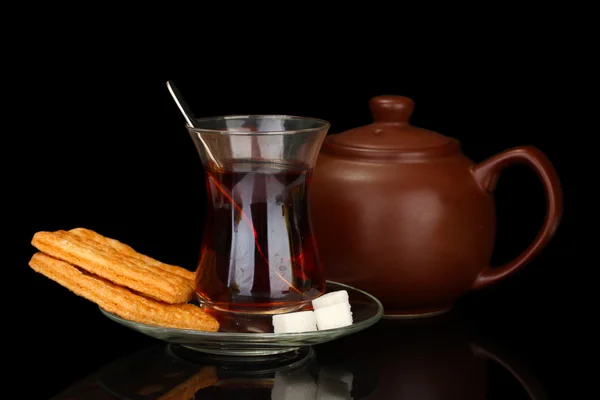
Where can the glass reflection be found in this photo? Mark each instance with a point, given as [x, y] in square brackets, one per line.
[429, 359]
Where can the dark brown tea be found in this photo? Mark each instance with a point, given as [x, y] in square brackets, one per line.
[258, 250]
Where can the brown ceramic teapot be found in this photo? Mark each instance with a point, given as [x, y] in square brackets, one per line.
[400, 212]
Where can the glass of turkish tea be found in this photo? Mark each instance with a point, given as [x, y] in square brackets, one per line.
[258, 253]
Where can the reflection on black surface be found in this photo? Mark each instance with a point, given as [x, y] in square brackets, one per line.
[434, 358]
[171, 372]
[149, 374]
[420, 359]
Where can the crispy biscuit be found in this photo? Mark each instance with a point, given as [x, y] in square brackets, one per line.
[124, 269]
[121, 301]
[207, 376]
[125, 249]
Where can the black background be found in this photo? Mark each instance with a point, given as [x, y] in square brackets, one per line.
[100, 144]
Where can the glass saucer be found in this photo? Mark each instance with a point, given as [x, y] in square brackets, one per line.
[256, 338]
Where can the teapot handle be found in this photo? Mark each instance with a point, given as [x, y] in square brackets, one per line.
[516, 368]
[487, 173]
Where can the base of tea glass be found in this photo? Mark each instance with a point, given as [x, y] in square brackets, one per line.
[268, 308]
[249, 320]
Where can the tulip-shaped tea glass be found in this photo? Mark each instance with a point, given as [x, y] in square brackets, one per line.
[258, 253]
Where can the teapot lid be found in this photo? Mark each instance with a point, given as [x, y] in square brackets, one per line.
[391, 133]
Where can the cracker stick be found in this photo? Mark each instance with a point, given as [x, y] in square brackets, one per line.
[122, 268]
[125, 249]
[121, 301]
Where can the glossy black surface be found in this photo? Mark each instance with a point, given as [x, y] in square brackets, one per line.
[100, 144]
[447, 357]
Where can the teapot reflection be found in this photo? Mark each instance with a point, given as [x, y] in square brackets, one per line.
[437, 358]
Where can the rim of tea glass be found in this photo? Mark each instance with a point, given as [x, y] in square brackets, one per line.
[322, 124]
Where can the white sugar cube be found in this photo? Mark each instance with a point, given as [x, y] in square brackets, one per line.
[300, 321]
[335, 316]
[297, 385]
[330, 299]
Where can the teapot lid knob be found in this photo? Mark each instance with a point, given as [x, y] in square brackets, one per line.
[390, 135]
[390, 108]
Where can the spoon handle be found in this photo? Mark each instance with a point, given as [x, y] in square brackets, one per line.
[183, 107]
[191, 120]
